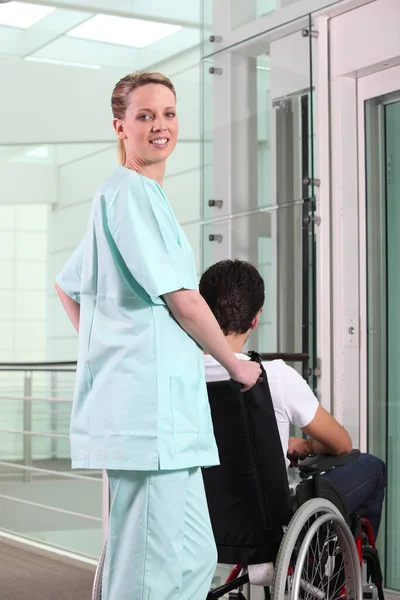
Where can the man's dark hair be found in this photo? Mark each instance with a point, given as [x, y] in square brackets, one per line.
[234, 290]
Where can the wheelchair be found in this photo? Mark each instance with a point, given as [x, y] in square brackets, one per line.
[323, 554]
[300, 545]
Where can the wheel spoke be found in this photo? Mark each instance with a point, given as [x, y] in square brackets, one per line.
[319, 547]
[324, 570]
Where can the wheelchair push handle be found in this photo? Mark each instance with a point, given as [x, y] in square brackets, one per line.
[254, 357]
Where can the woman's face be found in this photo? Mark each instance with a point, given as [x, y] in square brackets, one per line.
[150, 127]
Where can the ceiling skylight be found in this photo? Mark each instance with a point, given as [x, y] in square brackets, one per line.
[18, 14]
[123, 31]
[67, 63]
[39, 152]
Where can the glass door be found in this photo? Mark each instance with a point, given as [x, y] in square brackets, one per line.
[392, 176]
[382, 129]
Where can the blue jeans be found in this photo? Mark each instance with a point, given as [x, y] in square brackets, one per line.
[362, 484]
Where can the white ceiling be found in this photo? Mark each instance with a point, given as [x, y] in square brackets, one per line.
[48, 39]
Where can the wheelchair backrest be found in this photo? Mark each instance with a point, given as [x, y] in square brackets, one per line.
[248, 493]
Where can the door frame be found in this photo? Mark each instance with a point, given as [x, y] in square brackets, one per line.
[378, 84]
[357, 49]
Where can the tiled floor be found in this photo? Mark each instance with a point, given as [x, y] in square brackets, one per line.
[25, 575]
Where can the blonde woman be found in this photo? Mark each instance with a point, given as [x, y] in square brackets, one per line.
[140, 408]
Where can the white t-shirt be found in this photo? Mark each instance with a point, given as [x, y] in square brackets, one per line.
[294, 403]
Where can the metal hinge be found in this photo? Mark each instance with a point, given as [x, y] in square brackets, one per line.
[312, 218]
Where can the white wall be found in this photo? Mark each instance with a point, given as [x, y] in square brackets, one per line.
[23, 258]
[23, 183]
[375, 27]
[77, 182]
[23, 323]
[49, 103]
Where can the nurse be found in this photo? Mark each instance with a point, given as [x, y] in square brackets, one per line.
[140, 406]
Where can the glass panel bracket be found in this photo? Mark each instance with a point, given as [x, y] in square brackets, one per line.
[215, 203]
[308, 372]
[217, 39]
[307, 32]
[312, 218]
[311, 181]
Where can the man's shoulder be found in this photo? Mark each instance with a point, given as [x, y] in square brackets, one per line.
[274, 367]
[214, 371]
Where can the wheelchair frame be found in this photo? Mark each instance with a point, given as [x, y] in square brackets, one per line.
[358, 530]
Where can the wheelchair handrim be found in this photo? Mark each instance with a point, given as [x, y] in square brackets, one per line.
[350, 555]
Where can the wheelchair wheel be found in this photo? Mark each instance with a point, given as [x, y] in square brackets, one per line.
[318, 557]
[98, 576]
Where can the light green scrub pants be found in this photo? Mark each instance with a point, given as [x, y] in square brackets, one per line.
[160, 542]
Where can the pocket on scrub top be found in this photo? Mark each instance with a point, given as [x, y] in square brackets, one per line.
[187, 398]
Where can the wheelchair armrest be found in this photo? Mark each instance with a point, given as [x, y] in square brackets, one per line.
[325, 462]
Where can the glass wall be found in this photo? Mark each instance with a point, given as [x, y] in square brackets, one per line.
[237, 14]
[383, 223]
[60, 148]
[258, 198]
[258, 164]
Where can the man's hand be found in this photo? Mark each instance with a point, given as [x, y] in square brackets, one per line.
[298, 449]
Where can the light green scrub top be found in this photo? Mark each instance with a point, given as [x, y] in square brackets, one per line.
[140, 398]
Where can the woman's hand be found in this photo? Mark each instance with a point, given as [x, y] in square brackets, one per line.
[245, 372]
[72, 308]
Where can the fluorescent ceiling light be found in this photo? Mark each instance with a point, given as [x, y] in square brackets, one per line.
[39, 152]
[122, 30]
[66, 63]
[18, 14]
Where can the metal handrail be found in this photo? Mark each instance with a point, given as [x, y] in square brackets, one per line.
[55, 400]
[63, 511]
[41, 367]
[29, 400]
[52, 393]
[10, 465]
[30, 366]
[36, 399]
[286, 356]
[55, 436]
[55, 367]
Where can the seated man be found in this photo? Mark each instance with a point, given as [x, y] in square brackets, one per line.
[234, 290]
